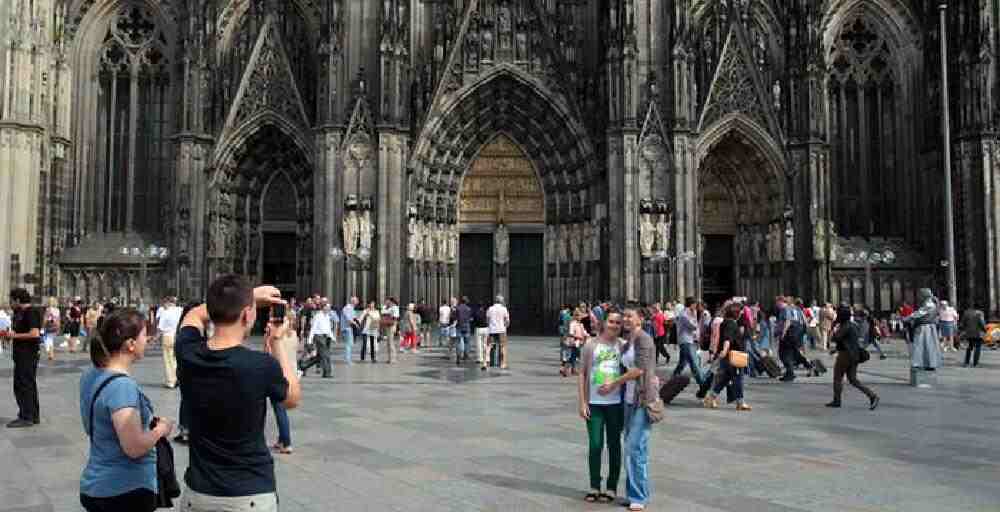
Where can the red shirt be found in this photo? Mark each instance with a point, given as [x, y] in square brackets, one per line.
[906, 310]
[659, 321]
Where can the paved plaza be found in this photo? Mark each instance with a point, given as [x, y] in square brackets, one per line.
[425, 436]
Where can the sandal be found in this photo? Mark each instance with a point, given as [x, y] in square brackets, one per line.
[605, 498]
[591, 497]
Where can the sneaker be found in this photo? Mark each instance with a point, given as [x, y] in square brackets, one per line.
[883, 356]
[874, 403]
[19, 423]
[834, 403]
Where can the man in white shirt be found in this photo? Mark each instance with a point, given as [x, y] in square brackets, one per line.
[390, 323]
[321, 333]
[444, 322]
[499, 321]
[168, 317]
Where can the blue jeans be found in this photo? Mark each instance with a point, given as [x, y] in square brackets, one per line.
[637, 487]
[730, 378]
[284, 429]
[463, 340]
[348, 337]
[689, 356]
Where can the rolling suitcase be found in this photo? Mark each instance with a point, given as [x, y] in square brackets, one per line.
[770, 366]
[673, 387]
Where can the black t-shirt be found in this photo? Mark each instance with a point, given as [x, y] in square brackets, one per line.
[26, 319]
[227, 392]
[730, 330]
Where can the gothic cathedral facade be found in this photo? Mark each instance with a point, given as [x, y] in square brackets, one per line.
[547, 150]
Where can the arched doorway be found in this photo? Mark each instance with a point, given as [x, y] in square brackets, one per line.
[742, 224]
[261, 219]
[501, 218]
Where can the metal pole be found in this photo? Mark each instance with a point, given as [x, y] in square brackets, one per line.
[949, 214]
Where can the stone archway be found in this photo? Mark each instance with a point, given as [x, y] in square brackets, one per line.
[546, 130]
[744, 232]
[267, 168]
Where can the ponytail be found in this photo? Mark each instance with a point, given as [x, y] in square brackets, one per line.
[116, 329]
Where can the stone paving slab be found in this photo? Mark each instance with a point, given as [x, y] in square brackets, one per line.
[422, 434]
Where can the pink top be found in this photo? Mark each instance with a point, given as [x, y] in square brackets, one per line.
[949, 314]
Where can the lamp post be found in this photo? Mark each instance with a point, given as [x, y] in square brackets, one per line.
[949, 214]
[152, 252]
[868, 258]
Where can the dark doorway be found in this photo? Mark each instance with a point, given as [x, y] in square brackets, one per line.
[527, 281]
[717, 270]
[476, 267]
[279, 261]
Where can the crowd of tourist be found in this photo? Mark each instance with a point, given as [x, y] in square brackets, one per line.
[613, 350]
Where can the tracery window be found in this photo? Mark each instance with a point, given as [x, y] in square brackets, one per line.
[134, 122]
[863, 123]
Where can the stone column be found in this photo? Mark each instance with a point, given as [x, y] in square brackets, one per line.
[686, 215]
[190, 210]
[392, 157]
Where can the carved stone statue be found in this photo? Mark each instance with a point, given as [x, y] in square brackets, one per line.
[789, 241]
[564, 243]
[663, 231]
[427, 230]
[770, 243]
[819, 240]
[575, 239]
[595, 240]
[413, 245]
[441, 242]
[551, 240]
[759, 244]
[501, 245]
[453, 243]
[831, 231]
[351, 227]
[647, 235]
[366, 230]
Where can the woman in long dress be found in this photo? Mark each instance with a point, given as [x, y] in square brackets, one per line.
[923, 324]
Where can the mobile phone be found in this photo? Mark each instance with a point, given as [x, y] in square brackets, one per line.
[278, 313]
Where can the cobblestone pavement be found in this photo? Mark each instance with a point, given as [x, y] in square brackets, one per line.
[424, 435]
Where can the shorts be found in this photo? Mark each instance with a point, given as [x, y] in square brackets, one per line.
[947, 328]
[73, 329]
[192, 501]
[500, 338]
[448, 331]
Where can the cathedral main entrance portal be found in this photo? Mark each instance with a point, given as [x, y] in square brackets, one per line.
[502, 220]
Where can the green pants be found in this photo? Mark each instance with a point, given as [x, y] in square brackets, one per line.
[612, 419]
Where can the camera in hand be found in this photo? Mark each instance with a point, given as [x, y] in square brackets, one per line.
[277, 313]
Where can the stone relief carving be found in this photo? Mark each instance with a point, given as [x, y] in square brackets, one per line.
[453, 243]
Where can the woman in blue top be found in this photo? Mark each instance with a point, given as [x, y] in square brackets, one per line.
[121, 471]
